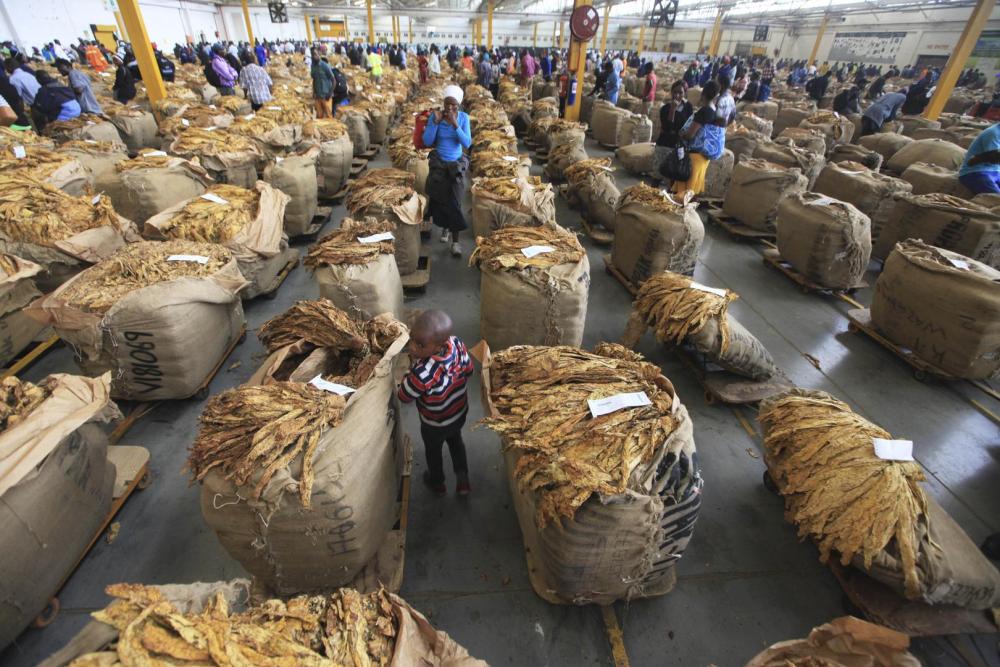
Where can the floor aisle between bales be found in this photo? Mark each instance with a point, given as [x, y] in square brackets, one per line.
[744, 582]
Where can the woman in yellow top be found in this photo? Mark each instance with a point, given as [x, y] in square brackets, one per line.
[375, 64]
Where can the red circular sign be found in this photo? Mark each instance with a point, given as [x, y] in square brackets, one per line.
[584, 21]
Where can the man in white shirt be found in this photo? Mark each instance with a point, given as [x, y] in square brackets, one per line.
[434, 62]
[812, 70]
[25, 84]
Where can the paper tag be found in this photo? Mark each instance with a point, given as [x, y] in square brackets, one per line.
[201, 259]
[959, 263]
[90, 122]
[893, 450]
[155, 154]
[533, 250]
[822, 201]
[278, 159]
[332, 387]
[510, 158]
[90, 141]
[185, 122]
[378, 87]
[375, 238]
[214, 198]
[210, 128]
[211, 106]
[705, 288]
[96, 199]
[603, 406]
[250, 116]
[19, 152]
[275, 108]
[105, 74]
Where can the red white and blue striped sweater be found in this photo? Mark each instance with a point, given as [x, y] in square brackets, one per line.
[438, 384]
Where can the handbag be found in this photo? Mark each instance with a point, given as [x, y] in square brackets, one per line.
[677, 165]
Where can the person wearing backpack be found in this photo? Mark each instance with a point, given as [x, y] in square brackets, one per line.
[705, 133]
[340, 90]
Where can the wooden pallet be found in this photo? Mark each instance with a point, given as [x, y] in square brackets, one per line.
[272, 289]
[541, 156]
[735, 227]
[372, 151]
[33, 354]
[708, 202]
[861, 320]
[721, 386]
[131, 473]
[417, 281]
[773, 258]
[619, 276]
[597, 233]
[334, 199]
[426, 230]
[358, 166]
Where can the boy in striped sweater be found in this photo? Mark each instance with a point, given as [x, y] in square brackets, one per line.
[437, 382]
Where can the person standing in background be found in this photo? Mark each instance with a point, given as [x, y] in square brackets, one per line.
[448, 132]
[225, 73]
[79, 83]
[434, 61]
[422, 66]
[255, 82]
[124, 87]
[323, 82]
[611, 83]
[673, 116]
[374, 64]
[706, 137]
[649, 89]
[261, 54]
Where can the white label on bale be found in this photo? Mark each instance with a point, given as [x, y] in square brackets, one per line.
[959, 264]
[705, 288]
[822, 201]
[105, 74]
[96, 199]
[893, 450]
[375, 238]
[510, 158]
[185, 122]
[250, 116]
[214, 198]
[90, 141]
[19, 152]
[275, 108]
[211, 106]
[332, 387]
[201, 259]
[533, 250]
[278, 159]
[603, 406]
[155, 154]
[90, 122]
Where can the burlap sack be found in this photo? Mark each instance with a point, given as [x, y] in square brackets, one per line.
[755, 190]
[943, 221]
[232, 168]
[743, 142]
[932, 151]
[599, 196]
[619, 547]
[826, 240]
[844, 641]
[911, 123]
[333, 165]
[753, 122]
[948, 315]
[55, 492]
[808, 138]
[489, 213]
[407, 217]
[279, 141]
[606, 121]
[159, 342]
[99, 166]
[139, 194]
[745, 355]
[638, 159]
[789, 116]
[296, 177]
[634, 129]
[927, 178]
[17, 290]
[629, 103]
[379, 125]
[137, 129]
[420, 168]
[587, 108]
[787, 155]
[69, 177]
[357, 131]
[363, 290]
[649, 241]
[765, 110]
[929, 133]
[557, 163]
[534, 306]
[990, 200]
[718, 175]
[96, 128]
[836, 129]
[870, 192]
[885, 144]
[357, 467]
[575, 136]
[855, 153]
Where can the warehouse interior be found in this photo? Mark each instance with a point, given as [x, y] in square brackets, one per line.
[750, 583]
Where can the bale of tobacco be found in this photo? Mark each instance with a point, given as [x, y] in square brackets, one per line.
[137, 127]
[836, 129]
[389, 194]
[55, 487]
[333, 164]
[295, 176]
[591, 185]
[561, 157]
[866, 511]
[58, 169]
[160, 315]
[272, 137]
[654, 233]
[500, 164]
[870, 192]
[152, 183]
[308, 433]
[534, 286]
[10, 138]
[601, 463]
[247, 222]
[98, 159]
[784, 152]
[17, 290]
[215, 625]
[357, 122]
[228, 157]
[85, 126]
[843, 641]
[61, 233]
[356, 270]
[504, 202]
[680, 310]
[756, 189]
[494, 141]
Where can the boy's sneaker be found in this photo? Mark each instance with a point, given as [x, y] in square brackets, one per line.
[445, 236]
[463, 488]
[456, 249]
[436, 489]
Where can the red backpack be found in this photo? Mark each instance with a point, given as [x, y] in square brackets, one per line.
[418, 129]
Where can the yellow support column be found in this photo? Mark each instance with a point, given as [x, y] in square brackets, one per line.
[410, 28]
[309, 32]
[604, 29]
[371, 23]
[561, 24]
[246, 19]
[143, 49]
[315, 21]
[555, 27]
[489, 25]
[956, 61]
[395, 29]
[642, 39]
[713, 44]
[534, 37]
[656, 31]
[577, 64]
[347, 29]
[819, 36]
[122, 32]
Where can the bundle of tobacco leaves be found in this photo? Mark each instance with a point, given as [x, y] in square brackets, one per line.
[90, 146]
[345, 628]
[9, 137]
[342, 246]
[383, 187]
[257, 126]
[540, 395]
[675, 307]
[646, 195]
[145, 162]
[494, 141]
[324, 129]
[544, 104]
[837, 491]
[8, 265]
[207, 221]
[138, 265]
[232, 104]
[578, 172]
[495, 164]
[37, 163]
[63, 130]
[287, 109]
[32, 211]
[194, 141]
[540, 126]
[318, 322]
[563, 125]
[501, 250]
[562, 151]
[18, 399]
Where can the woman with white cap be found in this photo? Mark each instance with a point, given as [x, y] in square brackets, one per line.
[449, 134]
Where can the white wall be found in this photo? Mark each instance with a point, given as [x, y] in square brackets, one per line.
[35, 22]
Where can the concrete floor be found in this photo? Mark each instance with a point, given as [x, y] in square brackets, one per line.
[745, 581]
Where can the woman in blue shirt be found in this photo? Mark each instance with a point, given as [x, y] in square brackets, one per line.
[980, 172]
[448, 133]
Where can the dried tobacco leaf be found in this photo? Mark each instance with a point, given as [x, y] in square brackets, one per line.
[383, 187]
[501, 250]
[341, 246]
[37, 163]
[579, 172]
[206, 221]
[675, 310]
[646, 195]
[18, 399]
[32, 211]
